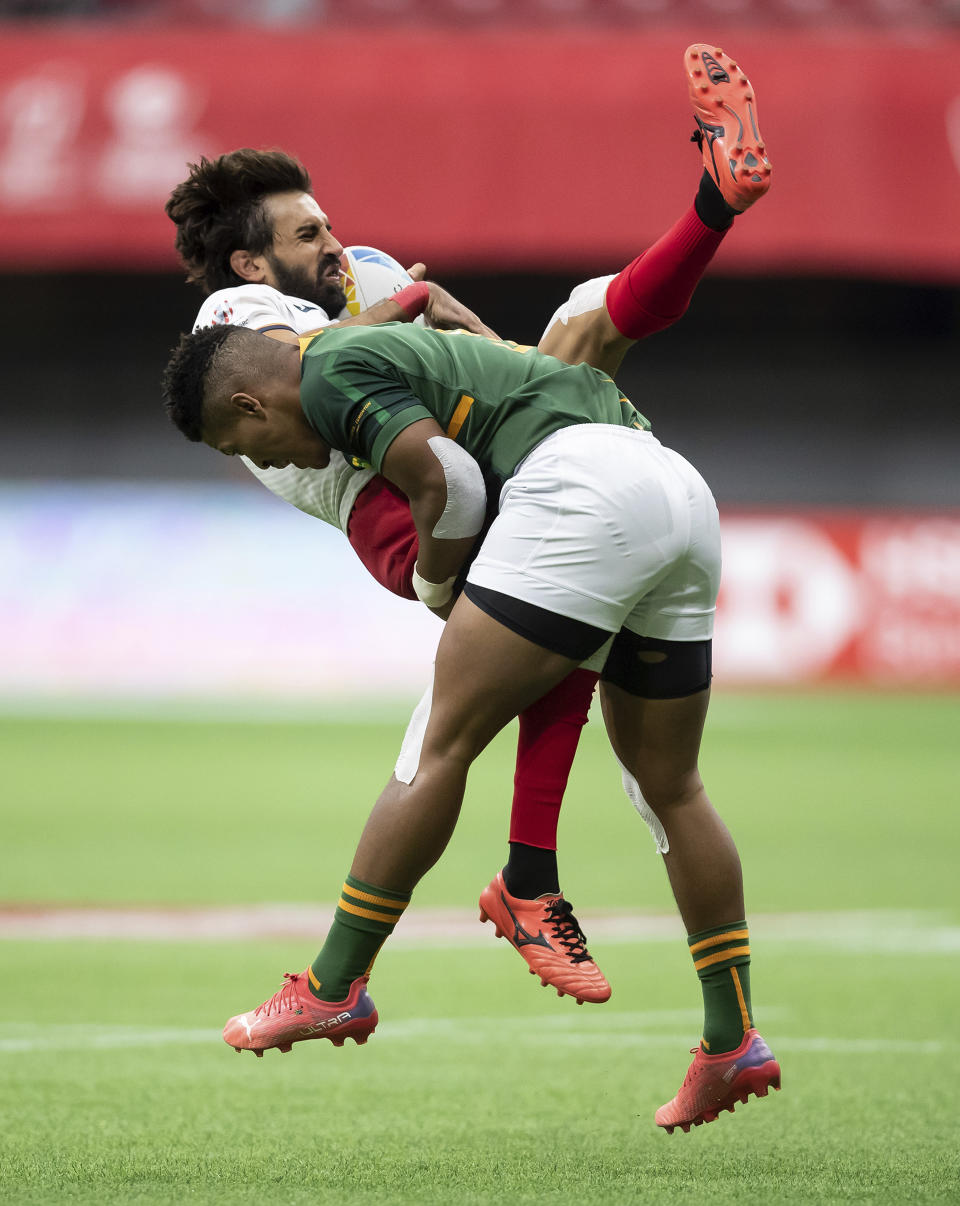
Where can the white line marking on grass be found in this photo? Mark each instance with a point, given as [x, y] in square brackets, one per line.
[617, 1030]
[79, 1037]
[872, 931]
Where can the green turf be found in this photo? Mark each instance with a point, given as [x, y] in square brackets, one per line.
[132, 811]
[479, 1086]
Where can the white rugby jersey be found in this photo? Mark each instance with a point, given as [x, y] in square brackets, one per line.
[327, 494]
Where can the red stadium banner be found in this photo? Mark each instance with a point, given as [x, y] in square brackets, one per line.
[865, 598]
[481, 149]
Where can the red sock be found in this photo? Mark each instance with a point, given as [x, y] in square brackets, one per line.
[384, 537]
[549, 734]
[655, 290]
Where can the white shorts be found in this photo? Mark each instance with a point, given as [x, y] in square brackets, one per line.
[604, 525]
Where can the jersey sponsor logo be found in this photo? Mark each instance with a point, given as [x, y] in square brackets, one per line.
[355, 428]
[305, 308]
[222, 314]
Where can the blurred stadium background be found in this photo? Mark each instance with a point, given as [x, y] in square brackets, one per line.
[516, 146]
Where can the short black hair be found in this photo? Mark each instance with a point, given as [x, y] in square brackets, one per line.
[219, 209]
[185, 377]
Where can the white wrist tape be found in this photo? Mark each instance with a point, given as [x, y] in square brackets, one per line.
[466, 504]
[434, 594]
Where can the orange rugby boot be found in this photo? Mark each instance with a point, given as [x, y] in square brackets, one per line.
[725, 110]
[293, 1014]
[548, 936]
[716, 1082]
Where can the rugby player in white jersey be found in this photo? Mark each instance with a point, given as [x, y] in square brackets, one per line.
[253, 236]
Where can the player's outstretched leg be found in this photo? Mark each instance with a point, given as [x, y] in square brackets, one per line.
[294, 1014]
[548, 936]
[716, 1082]
[725, 110]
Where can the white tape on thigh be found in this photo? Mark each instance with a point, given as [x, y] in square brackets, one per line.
[466, 505]
[589, 296]
[635, 796]
[408, 760]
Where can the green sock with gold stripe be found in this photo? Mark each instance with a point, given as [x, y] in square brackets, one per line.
[722, 959]
[364, 920]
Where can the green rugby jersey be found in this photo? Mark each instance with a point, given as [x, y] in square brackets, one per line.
[361, 386]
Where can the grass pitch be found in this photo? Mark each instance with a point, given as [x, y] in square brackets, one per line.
[479, 1086]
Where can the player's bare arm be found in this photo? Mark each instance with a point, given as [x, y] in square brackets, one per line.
[447, 499]
[442, 310]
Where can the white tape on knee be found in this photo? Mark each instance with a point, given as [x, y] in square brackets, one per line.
[635, 796]
[466, 504]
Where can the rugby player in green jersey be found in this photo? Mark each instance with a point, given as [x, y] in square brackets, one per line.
[251, 233]
[599, 531]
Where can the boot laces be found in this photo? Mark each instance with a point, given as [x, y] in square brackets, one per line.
[283, 998]
[567, 930]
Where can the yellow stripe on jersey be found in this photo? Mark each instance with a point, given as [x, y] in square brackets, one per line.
[460, 415]
[733, 953]
[729, 936]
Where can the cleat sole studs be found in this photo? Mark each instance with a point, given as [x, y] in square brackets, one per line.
[258, 1054]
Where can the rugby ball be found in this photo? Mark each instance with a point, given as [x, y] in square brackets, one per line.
[368, 276]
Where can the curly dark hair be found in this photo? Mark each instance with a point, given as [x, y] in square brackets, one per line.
[185, 377]
[219, 209]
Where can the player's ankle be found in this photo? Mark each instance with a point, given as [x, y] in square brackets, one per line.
[531, 871]
[712, 209]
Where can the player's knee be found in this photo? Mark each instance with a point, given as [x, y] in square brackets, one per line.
[453, 750]
[665, 786]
